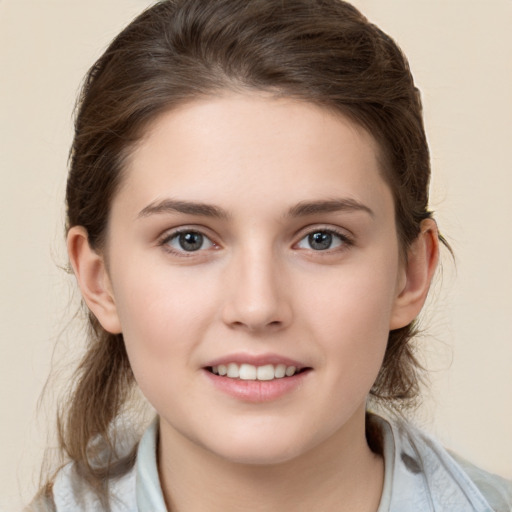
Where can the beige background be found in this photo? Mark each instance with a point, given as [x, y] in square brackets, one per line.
[461, 55]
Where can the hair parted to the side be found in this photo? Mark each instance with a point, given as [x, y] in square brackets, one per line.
[320, 51]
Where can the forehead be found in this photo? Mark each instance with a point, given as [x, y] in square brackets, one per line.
[253, 147]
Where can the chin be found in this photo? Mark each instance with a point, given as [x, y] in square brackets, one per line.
[263, 450]
[260, 457]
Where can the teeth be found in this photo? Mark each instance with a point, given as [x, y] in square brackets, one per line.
[247, 372]
[250, 372]
[290, 370]
[280, 371]
[233, 371]
[266, 372]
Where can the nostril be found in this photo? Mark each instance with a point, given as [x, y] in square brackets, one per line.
[275, 324]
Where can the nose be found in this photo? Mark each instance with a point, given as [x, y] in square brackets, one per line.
[256, 296]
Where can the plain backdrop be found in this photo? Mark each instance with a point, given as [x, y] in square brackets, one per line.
[461, 56]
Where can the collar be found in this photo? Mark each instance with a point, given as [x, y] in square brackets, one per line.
[421, 475]
[148, 491]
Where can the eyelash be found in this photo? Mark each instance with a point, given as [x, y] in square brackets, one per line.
[345, 241]
[164, 242]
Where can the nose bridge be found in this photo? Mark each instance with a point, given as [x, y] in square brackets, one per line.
[256, 296]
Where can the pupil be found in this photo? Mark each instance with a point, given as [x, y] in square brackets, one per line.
[191, 241]
[320, 241]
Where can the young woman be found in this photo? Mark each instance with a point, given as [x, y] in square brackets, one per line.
[248, 224]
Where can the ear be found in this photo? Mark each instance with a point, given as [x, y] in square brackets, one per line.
[92, 276]
[416, 275]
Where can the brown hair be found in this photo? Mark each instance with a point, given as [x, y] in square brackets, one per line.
[320, 51]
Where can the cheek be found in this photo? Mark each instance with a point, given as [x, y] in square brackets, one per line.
[350, 317]
[163, 315]
[355, 300]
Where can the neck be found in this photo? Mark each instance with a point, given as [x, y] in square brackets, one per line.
[341, 474]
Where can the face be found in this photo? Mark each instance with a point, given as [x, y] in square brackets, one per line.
[255, 236]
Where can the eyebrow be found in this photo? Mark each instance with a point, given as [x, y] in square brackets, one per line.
[302, 209]
[186, 207]
[306, 208]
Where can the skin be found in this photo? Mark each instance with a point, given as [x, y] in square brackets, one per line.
[257, 286]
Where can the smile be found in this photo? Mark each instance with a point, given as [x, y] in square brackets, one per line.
[250, 372]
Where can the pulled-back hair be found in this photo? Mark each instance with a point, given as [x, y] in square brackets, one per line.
[320, 51]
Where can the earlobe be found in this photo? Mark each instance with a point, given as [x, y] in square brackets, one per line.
[92, 277]
[422, 258]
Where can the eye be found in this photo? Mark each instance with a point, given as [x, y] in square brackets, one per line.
[188, 241]
[322, 240]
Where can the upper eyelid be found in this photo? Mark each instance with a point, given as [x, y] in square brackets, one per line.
[337, 230]
[169, 235]
[172, 232]
[347, 239]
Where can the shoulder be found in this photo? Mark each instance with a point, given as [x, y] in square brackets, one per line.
[497, 490]
[137, 489]
[434, 479]
[70, 493]
[43, 502]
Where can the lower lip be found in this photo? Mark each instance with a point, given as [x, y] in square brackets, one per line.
[257, 390]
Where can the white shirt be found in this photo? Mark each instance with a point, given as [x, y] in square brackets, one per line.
[419, 476]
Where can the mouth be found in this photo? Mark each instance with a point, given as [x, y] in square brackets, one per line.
[247, 371]
[257, 378]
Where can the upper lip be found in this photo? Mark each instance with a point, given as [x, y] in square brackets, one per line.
[255, 360]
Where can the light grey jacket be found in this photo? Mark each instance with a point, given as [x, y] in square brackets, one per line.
[420, 476]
